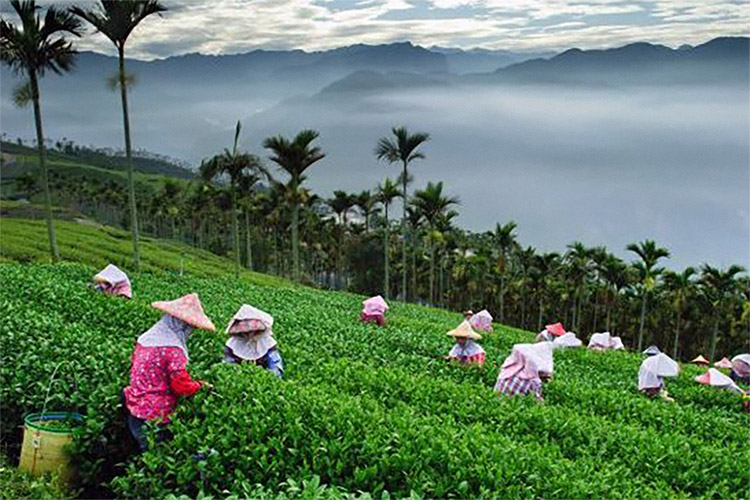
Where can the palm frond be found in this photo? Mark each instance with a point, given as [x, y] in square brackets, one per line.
[113, 81]
[23, 94]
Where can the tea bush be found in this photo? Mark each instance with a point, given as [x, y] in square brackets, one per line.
[361, 408]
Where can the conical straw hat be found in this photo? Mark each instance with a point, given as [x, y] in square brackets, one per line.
[254, 320]
[715, 378]
[723, 363]
[557, 329]
[465, 330]
[375, 304]
[652, 350]
[188, 309]
[700, 360]
[112, 275]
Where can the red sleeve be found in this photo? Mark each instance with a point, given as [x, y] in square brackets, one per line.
[181, 383]
[179, 379]
[478, 358]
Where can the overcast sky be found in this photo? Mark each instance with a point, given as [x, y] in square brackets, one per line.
[231, 26]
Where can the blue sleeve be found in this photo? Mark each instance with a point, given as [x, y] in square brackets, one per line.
[229, 356]
[275, 364]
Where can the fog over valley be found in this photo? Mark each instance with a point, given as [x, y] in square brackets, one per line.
[587, 159]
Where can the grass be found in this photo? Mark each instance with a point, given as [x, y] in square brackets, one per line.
[23, 240]
[75, 170]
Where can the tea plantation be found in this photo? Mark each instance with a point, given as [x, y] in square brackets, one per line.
[361, 408]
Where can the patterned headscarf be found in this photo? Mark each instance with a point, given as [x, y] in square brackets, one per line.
[167, 332]
[470, 348]
[251, 345]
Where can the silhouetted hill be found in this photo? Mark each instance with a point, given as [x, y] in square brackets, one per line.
[366, 80]
[481, 60]
[720, 60]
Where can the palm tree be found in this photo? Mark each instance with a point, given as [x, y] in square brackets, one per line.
[404, 150]
[542, 268]
[505, 239]
[341, 203]
[236, 166]
[246, 191]
[30, 51]
[526, 260]
[366, 202]
[680, 284]
[387, 192]
[579, 261]
[295, 157]
[444, 227]
[432, 204]
[614, 272]
[116, 19]
[649, 254]
[718, 285]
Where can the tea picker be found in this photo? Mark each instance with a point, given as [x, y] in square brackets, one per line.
[373, 310]
[251, 340]
[521, 373]
[481, 321]
[113, 281]
[651, 375]
[466, 350]
[550, 332]
[158, 374]
[741, 369]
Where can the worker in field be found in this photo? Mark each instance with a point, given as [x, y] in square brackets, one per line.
[373, 310]
[113, 281]
[466, 350]
[550, 332]
[158, 375]
[741, 369]
[481, 321]
[251, 340]
[522, 371]
[651, 375]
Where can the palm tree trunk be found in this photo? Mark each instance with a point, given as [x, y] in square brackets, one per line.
[596, 311]
[575, 309]
[541, 308]
[404, 232]
[235, 233]
[201, 232]
[441, 283]
[295, 240]
[275, 252]
[714, 336]
[248, 242]
[386, 240]
[414, 271]
[54, 251]
[677, 335]
[129, 160]
[502, 297]
[432, 272]
[643, 320]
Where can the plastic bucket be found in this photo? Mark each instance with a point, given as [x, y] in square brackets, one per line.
[45, 436]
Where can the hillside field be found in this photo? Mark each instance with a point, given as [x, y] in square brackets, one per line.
[366, 411]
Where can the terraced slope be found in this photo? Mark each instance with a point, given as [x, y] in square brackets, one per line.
[362, 408]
